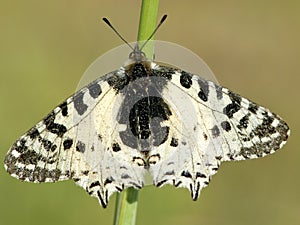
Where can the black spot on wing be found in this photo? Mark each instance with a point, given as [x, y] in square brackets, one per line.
[202, 96]
[80, 147]
[215, 131]
[53, 147]
[243, 123]
[47, 144]
[218, 158]
[94, 89]
[94, 184]
[186, 79]
[109, 180]
[234, 97]
[200, 175]
[85, 172]
[52, 127]
[67, 144]
[139, 161]
[38, 174]
[125, 176]
[64, 108]
[219, 91]
[204, 90]
[33, 133]
[170, 173]
[267, 120]
[29, 157]
[186, 174]
[174, 142]
[161, 183]
[79, 105]
[226, 125]
[234, 106]
[116, 147]
[266, 128]
[253, 108]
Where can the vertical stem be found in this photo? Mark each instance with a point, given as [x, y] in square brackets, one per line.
[126, 207]
[126, 202]
[148, 22]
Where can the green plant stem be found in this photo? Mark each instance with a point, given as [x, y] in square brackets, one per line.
[126, 207]
[148, 22]
[126, 202]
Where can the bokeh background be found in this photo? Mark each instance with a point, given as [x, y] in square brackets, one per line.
[253, 48]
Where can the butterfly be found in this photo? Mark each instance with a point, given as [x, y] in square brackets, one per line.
[144, 118]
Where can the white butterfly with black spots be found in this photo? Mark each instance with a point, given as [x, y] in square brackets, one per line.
[144, 118]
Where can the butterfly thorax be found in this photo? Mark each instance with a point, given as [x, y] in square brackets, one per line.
[138, 70]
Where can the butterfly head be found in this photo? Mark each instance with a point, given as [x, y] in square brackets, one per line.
[137, 55]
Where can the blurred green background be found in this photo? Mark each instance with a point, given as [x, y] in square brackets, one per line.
[253, 48]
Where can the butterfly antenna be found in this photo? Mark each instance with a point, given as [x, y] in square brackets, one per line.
[159, 24]
[117, 33]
